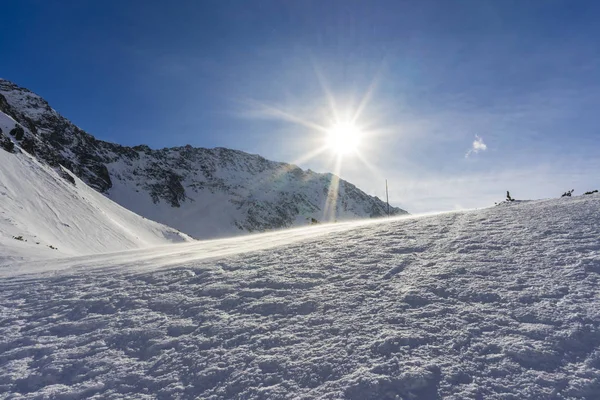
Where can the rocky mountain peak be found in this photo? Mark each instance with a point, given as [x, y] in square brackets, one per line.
[203, 192]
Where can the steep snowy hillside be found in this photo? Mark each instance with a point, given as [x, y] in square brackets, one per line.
[203, 192]
[44, 214]
[499, 303]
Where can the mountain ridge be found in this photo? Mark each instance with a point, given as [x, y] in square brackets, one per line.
[45, 213]
[203, 192]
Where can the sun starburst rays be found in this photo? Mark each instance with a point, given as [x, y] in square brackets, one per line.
[330, 209]
[328, 95]
[341, 135]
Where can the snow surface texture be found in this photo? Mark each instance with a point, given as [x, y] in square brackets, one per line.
[501, 303]
[43, 215]
[206, 193]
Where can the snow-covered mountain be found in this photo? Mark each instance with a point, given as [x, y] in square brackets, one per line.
[500, 303]
[47, 213]
[203, 192]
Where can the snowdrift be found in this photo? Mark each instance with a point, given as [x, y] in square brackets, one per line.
[499, 303]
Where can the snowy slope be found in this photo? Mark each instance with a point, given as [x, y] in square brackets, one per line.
[501, 303]
[206, 193]
[44, 209]
[226, 192]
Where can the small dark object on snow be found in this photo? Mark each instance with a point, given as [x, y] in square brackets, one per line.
[568, 194]
[508, 198]
[592, 192]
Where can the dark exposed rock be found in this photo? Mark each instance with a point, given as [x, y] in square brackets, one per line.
[17, 132]
[68, 177]
[6, 143]
[169, 188]
[28, 145]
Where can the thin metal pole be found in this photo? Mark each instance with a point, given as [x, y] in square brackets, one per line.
[387, 198]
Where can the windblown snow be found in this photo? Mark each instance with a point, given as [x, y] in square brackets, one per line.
[501, 303]
[42, 215]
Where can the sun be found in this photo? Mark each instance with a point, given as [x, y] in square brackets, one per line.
[344, 138]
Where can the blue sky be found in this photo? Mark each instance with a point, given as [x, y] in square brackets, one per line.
[518, 81]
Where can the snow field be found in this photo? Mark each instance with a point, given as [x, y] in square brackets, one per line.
[55, 218]
[501, 303]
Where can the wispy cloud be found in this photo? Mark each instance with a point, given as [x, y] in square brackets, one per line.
[477, 146]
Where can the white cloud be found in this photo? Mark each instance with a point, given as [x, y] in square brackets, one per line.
[477, 146]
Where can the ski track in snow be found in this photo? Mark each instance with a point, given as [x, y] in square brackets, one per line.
[501, 303]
